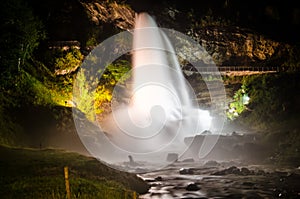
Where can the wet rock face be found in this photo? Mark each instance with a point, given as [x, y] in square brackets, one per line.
[121, 16]
[228, 45]
[237, 46]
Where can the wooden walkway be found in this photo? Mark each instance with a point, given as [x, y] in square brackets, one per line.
[237, 70]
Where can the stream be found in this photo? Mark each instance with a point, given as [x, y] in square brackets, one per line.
[213, 179]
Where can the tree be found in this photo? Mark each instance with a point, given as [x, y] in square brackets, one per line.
[92, 94]
[69, 62]
[20, 35]
[115, 73]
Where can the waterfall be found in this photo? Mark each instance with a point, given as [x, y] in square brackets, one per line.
[160, 112]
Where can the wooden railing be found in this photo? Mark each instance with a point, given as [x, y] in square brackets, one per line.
[209, 69]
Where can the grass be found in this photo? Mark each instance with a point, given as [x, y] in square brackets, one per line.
[33, 173]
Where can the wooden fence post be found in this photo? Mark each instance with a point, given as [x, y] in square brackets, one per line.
[66, 172]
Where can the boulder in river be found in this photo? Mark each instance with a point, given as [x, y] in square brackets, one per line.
[184, 171]
[211, 163]
[192, 187]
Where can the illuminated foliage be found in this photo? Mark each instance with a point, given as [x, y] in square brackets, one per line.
[116, 73]
[273, 99]
[95, 101]
[238, 105]
[83, 91]
[70, 61]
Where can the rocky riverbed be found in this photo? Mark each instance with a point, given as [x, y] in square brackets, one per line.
[212, 179]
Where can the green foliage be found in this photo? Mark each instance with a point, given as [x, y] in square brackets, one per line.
[24, 89]
[10, 131]
[95, 95]
[62, 89]
[69, 61]
[292, 62]
[238, 105]
[92, 38]
[273, 99]
[288, 148]
[92, 41]
[116, 73]
[20, 35]
[83, 95]
[21, 32]
[57, 70]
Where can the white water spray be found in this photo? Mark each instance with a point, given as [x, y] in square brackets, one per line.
[160, 113]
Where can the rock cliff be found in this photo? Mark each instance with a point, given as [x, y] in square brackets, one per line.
[228, 45]
[92, 21]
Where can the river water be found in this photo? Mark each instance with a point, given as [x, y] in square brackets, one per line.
[222, 180]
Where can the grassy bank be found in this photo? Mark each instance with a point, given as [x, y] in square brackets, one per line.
[33, 173]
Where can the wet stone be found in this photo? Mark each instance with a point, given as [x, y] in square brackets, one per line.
[245, 171]
[188, 160]
[240, 182]
[260, 172]
[211, 163]
[233, 170]
[230, 170]
[184, 171]
[158, 178]
[192, 187]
